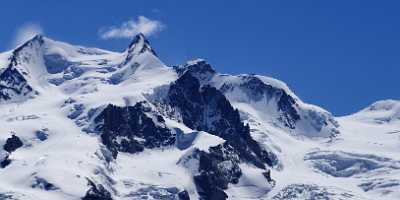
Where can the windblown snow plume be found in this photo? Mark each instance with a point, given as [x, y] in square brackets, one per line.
[26, 32]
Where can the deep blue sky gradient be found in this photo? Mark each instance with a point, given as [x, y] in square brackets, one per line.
[341, 55]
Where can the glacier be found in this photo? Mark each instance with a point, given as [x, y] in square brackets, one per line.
[86, 123]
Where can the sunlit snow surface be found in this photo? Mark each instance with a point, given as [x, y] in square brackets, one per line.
[361, 162]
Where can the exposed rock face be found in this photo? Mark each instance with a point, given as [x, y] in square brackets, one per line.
[12, 144]
[275, 103]
[133, 128]
[42, 134]
[256, 90]
[139, 45]
[289, 113]
[97, 192]
[206, 109]
[5, 162]
[43, 184]
[217, 169]
[199, 69]
[13, 85]
[272, 98]
[156, 192]
[252, 86]
[183, 195]
[180, 159]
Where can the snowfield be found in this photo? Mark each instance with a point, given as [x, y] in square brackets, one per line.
[60, 137]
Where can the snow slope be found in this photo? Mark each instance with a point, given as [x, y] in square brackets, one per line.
[269, 99]
[96, 124]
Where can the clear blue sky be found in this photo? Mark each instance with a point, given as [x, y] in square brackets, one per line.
[341, 55]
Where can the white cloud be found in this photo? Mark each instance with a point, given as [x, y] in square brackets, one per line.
[131, 28]
[26, 32]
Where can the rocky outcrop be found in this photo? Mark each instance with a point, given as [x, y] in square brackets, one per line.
[138, 45]
[275, 102]
[43, 184]
[183, 195]
[199, 69]
[96, 192]
[13, 85]
[5, 161]
[131, 129]
[256, 90]
[157, 192]
[217, 169]
[12, 144]
[206, 109]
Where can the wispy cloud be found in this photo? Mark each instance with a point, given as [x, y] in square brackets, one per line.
[131, 28]
[26, 32]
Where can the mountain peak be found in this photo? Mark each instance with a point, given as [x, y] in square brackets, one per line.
[38, 38]
[139, 45]
[198, 68]
[34, 43]
[196, 65]
[380, 112]
[196, 61]
[384, 105]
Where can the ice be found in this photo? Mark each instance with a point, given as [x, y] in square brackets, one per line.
[381, 112]
[344, 164]
[314, 192]
[319, 157]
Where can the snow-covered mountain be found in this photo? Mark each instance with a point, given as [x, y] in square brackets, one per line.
[86, 123]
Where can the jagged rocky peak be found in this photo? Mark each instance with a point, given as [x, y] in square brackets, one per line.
[254, 87]
[138, 53]
[257, 90]
[131, 129]
[13, 86]
[35, 40]
[247, 89]
[274, 101]
[139, 45]
[198, 68]
[32, 46]
[205, 108]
